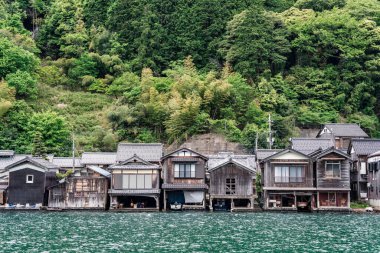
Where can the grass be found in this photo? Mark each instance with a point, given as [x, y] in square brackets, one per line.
[359, 204]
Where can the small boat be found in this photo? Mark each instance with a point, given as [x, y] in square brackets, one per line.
[176, 206]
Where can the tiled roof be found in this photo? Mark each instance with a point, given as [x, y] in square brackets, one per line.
[134, 191]
[66, 162]
[134, 167]
[246, 161]
[106, 158]
[346, 130]
[6, 153]
[264, 153]
[99, 170]
[321, 153]
[186, 149]
[38, 161]
[151, 152]
[309, 145]
[365, 146]
[185, 186]
[5, 161]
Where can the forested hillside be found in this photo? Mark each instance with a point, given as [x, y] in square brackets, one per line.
[164, 70]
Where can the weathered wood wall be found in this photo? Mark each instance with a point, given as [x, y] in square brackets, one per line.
[342, 182]
[80, 193]
[269, 174]
[243, 179]
[200, 170]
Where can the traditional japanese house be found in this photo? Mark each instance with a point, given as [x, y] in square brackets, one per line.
[89, 190]
[288, 181]
[359, 149]
[332, 169]
[184, 180]
[374, 179]
[309, 145]
[342, 133]
[135, 183]
[232, 181]
[28, 181]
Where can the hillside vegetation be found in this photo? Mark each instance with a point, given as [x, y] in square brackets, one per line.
[104, 71]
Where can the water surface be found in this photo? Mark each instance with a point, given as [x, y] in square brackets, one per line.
[188, 232]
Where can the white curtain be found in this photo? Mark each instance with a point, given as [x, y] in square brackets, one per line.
[193, 196]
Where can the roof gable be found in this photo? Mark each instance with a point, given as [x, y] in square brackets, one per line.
[343, 130]
[288, 154]
[364, 146]
[328, 151]
[135, 160]
[38, 162]
[184, 152]
[235, 162]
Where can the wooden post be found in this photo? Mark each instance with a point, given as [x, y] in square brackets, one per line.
[318, 200]
[157, 202]
[204, 200]
[348, 200]
[211, 209]
[165, 200]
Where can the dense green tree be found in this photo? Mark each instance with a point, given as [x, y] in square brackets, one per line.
[23, 82]
[256, 41]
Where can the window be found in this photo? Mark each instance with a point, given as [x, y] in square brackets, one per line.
[142, 180]
[230, 186]
[184, 170]
[29, 179]
[332, 169]
[286, 174]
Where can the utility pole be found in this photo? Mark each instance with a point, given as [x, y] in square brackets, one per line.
[256, 141]
[73, 151]
[270, 133]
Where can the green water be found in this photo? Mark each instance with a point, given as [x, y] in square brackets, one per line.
[188, 232]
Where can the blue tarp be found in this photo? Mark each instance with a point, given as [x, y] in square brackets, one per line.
[176, 196]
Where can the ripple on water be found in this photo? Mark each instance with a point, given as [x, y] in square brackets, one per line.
[188, 232]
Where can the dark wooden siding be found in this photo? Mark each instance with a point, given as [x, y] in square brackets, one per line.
[269, 174]
[200, 171]
[342, 182]
[20, 192]
[243, 179]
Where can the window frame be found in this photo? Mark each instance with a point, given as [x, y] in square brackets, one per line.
[285, 177]
[29, 181]
[184, 170]
[332, 170]
[230, 187]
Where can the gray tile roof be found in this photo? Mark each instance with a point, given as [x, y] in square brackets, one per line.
[247, 161]
[6, 153]
[5, 161]
[264, 153]
[67, 162]
[104, 158]
[134, 167]
[99, 170]
[151, 152]
[365, 146]
[346, 130]
[309, 145]
[185, 186]
[38, 161]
